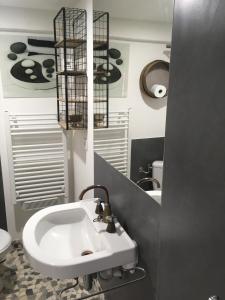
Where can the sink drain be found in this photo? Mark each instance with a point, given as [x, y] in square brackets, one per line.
[86, 252]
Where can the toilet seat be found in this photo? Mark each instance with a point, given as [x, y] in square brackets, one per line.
[5, 241]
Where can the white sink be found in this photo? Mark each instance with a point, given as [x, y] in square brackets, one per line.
[156, 195]
[56, 237]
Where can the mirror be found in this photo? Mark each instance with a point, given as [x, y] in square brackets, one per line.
[139, 54]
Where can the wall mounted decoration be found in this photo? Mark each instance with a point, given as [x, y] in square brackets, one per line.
[27, 65]
[118, 69]
[70, 33]
[154, 79]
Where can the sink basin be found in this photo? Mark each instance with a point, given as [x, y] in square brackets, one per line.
[62, 241]
[156, 195]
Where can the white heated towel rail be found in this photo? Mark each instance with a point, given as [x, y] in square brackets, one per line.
[37, 159]
[112, 143]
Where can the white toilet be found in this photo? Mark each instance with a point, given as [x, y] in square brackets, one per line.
[157, 173]
[5, 243]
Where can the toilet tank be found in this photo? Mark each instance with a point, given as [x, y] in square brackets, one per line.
[157, 173]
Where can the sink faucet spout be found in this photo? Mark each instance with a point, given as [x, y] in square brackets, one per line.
[107, 213]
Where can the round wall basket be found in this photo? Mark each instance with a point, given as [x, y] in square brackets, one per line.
[154, 76]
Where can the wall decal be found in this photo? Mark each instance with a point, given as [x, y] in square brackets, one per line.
[27, 65]
[118, 69]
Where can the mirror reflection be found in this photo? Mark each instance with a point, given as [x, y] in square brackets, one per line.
[139, 56]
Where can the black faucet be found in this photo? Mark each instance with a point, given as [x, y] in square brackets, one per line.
[106, 214]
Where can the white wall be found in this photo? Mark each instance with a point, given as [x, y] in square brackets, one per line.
[147, 116]
[140, 30]
[22, 21]
[83, 149]
[147, 42]
[12, 18]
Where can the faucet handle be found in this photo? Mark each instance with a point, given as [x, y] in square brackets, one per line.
[111, 228]
[146, 172]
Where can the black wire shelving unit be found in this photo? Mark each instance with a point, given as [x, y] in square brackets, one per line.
[70, 34]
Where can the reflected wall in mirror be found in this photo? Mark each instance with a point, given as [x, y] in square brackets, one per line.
[139, 43]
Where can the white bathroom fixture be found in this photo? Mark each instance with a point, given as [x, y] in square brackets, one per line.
[64, 241]
[156, 195]
[5, 243]
[157, 173]
[112, 143]
[37, 158]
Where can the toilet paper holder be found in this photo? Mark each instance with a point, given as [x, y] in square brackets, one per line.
[155, 74]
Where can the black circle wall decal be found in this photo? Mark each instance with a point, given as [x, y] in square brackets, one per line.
[119, 61]
[47, 63]
[50, 70]
[114, 53]
[18, 47]
[12, 56]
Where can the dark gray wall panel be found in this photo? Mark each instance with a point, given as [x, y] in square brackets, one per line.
[192, 260]
[144, 151]
[139, 215]
[3, 223]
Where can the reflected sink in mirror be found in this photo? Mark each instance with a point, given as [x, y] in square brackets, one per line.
[156, 195]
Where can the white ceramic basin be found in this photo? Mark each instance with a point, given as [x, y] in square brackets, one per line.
[156, 195]
[55, 238]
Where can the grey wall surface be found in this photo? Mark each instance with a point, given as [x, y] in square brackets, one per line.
[3, 224]
[192, 229]
[139, 215]
[143, 152]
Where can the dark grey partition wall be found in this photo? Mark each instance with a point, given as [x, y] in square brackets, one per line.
[192, 259]
[144, 152]
[139, 215]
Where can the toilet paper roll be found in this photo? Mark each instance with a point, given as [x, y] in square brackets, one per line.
[158, 90]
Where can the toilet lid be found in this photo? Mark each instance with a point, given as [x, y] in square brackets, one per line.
[5, 240]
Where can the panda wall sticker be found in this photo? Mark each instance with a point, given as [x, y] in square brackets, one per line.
[118, 69]
[27, 66]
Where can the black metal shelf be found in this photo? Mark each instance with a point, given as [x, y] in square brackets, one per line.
[74, 43]
[70, 31]
[80, 73]
[79, 101]
[72, 73]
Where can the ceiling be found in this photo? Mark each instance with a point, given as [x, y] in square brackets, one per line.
[144, 10]
[39, 4]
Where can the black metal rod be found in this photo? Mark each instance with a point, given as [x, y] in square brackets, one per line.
[56, 67]
[107, 85]
[69, 287]
[58, 13]
[99, 17]
[78, 17]
[65, 67]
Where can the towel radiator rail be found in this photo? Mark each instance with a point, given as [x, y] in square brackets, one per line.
[37, 159]
[112, 142]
